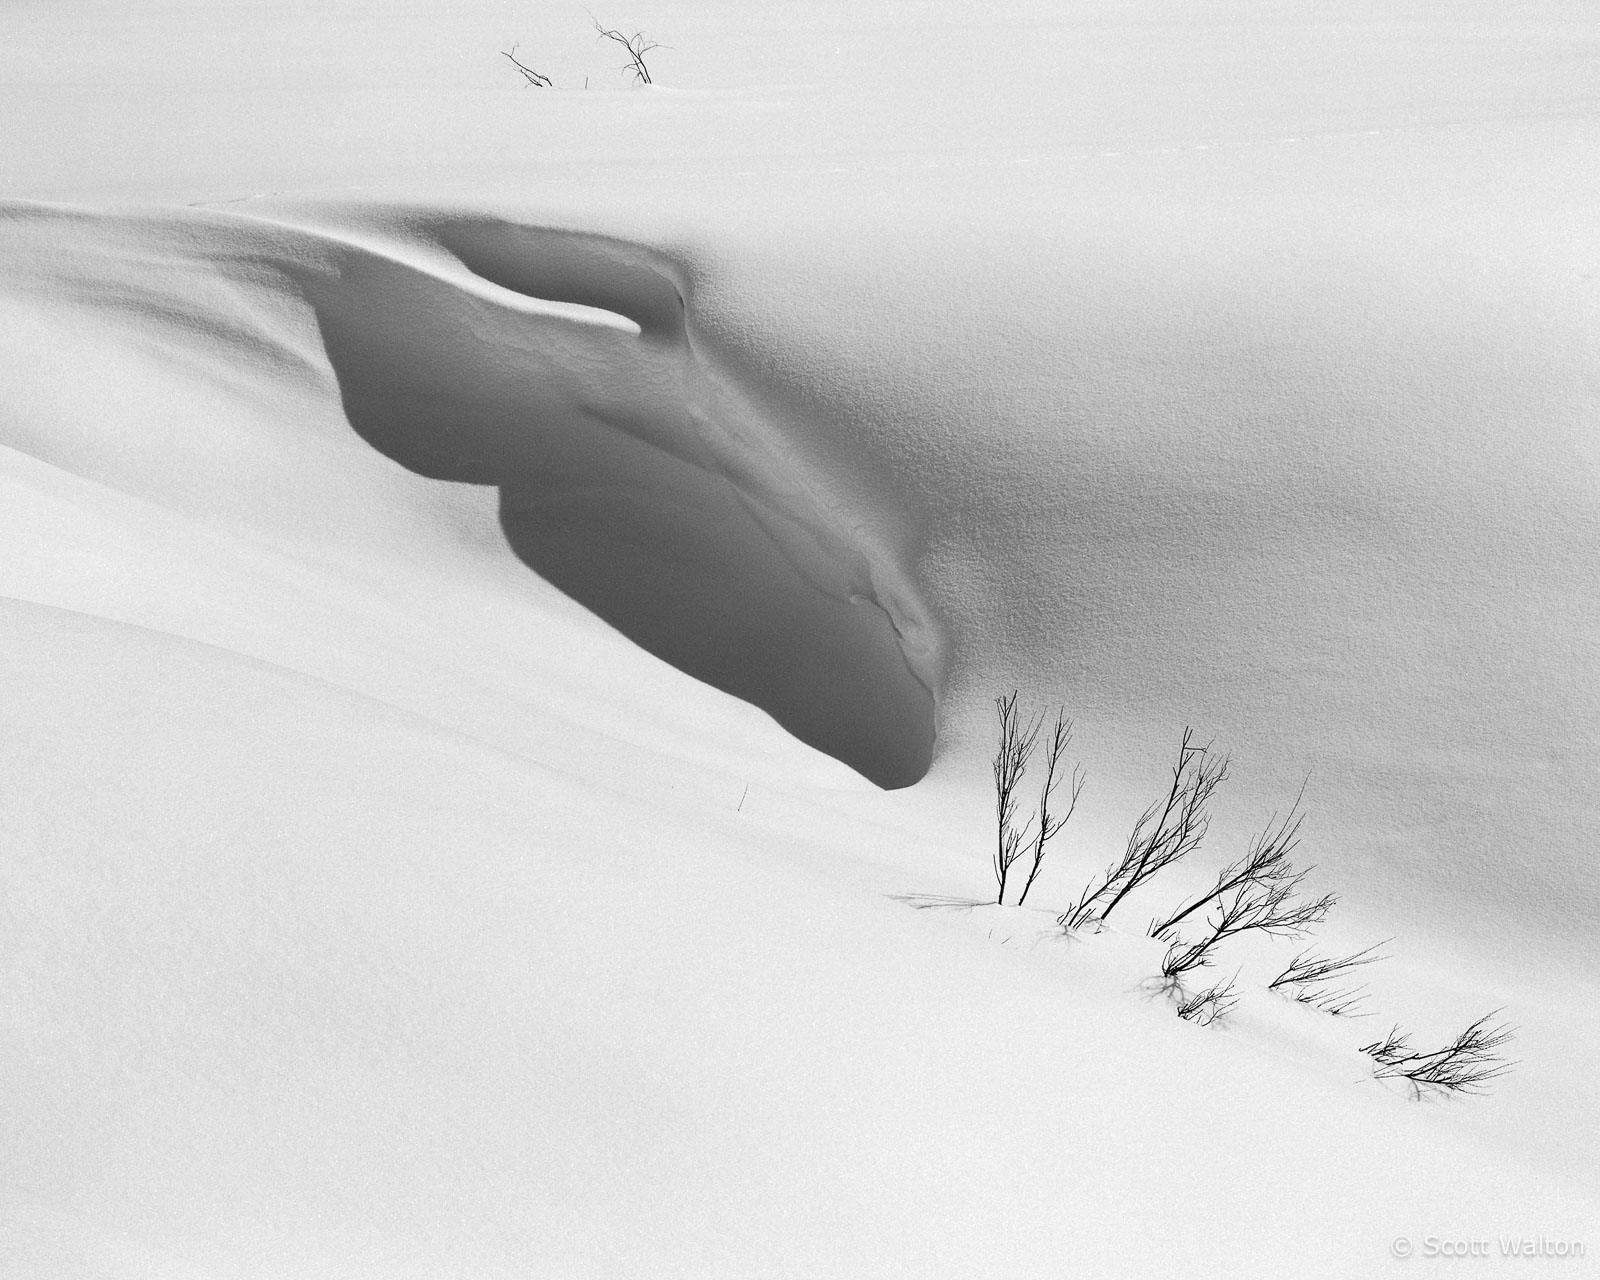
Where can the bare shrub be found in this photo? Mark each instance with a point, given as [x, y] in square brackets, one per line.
[1266, 862]
[1257, 892]
[1466, 1065]
[1050, 824]
[1168, 830]
[1266, 907]
[528, 73]
[1319, 981]
[1015, 749]
[635, 45]
[1260, 892]
[1010, 762]
[1210, 1005]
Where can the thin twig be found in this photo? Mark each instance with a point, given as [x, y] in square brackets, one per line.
[1267, 859]
[1207, 1006]
[1466, 1065]
[1050, 824]
[1265, 907]
[528, 73]
[1010, 762]
[1170, 829]
[636, 45]
[1308, 979]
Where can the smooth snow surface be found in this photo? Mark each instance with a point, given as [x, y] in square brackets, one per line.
[467, 553]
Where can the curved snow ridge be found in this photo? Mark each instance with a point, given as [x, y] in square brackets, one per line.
[560, 367]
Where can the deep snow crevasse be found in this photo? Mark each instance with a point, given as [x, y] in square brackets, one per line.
[438, 243]
[736, 431]
[635, 473]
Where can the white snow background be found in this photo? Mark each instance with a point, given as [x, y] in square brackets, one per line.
[372, 905]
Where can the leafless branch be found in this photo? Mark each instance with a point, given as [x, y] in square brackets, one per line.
[1466, 1065]
[1267, 860]
[1050, 824]
[1268, 907]
[1010, 762]
[1307, 967]
[1308, 978]
[636, 45]
[528, 73]
[1168, 830]
[1207, 1006]
[1343, 1002]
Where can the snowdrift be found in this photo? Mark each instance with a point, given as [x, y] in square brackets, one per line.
[557, 368]
[348, 843]
[349, 993]
[472, 557]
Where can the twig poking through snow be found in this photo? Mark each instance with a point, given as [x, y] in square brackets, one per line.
[1051, 824]
[1307, 977]
[1268, 907]
[1010, 762]
[1258, 892]
[1208, 1006]
[1466, 1065]
[1168, 830]
[636, 45]
[1267, 861]
[528, 73]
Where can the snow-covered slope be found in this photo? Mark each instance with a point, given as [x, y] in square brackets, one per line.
[421, 510]
[349, 993]
[553, 367]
